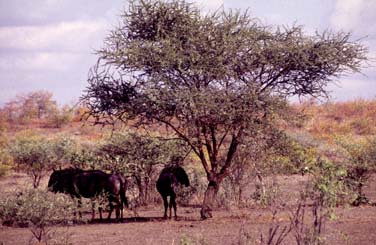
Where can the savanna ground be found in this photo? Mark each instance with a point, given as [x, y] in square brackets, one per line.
[230, 225]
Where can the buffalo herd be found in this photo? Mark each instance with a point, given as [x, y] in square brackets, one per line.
[80, 183]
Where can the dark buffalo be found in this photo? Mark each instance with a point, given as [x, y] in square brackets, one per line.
[168, 180]
[89, 184]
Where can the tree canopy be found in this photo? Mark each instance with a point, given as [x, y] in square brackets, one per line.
[213, 79]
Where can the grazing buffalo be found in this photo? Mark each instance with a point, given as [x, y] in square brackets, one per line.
[89, 184]
[168, 180]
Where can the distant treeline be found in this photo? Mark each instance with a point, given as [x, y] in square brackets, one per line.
[37, 108]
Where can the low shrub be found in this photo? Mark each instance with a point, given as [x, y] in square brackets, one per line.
[4, 170]
[38, 210]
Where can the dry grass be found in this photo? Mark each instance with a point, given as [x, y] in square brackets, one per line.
[356, 117]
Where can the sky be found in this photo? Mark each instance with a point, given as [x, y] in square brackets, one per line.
[50, 44]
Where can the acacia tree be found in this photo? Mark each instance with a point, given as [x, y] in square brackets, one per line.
[209, 78]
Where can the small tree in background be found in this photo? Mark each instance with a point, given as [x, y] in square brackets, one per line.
[253, 160]
[137, 155]
[37, 155]
[361, 162]
[269, 152]
[34, 155]
[6, 160]
[59, 117]
[210, 78]
[33, 105]
[321, 195]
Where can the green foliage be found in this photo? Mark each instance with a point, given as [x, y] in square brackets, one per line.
[37, 210]
[133, 152]
[361, 151]
[6, 160]
[85, 155]
[190, 240]
[328, 185]
[294, 158]
[361, 162]
[195, 192]
[266, 194]
[208, 76]
[315, 206]
[4, 169]
[325, 191]
[137, 155]
[185, 240]
[60, 117]
[33, 154]
[265, 152]
[36, 154]
[63, 148]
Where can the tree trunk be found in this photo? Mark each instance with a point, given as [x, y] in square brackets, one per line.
[210, 195]
[141, 191]
[36, 180]
[146, 190]
[240, 195]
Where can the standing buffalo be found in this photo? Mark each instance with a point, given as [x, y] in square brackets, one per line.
[168, 180]
[89, 184]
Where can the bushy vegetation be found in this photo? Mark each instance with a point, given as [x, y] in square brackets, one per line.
[38, 210]
[138, 156]
[37, 155]
[6, 160]
[33, 154]
[360, 164]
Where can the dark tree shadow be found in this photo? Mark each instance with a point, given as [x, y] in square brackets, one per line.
[142, 220]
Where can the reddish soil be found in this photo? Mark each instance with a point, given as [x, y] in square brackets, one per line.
[352, 225]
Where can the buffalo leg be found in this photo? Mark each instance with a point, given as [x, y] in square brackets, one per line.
[79, 205]
[118, 207]
[121, 211]
[173, 204]
[93, 211]
[165, 202]
[110, 212]
[118, 212]
[114, 203]
[111, 209]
